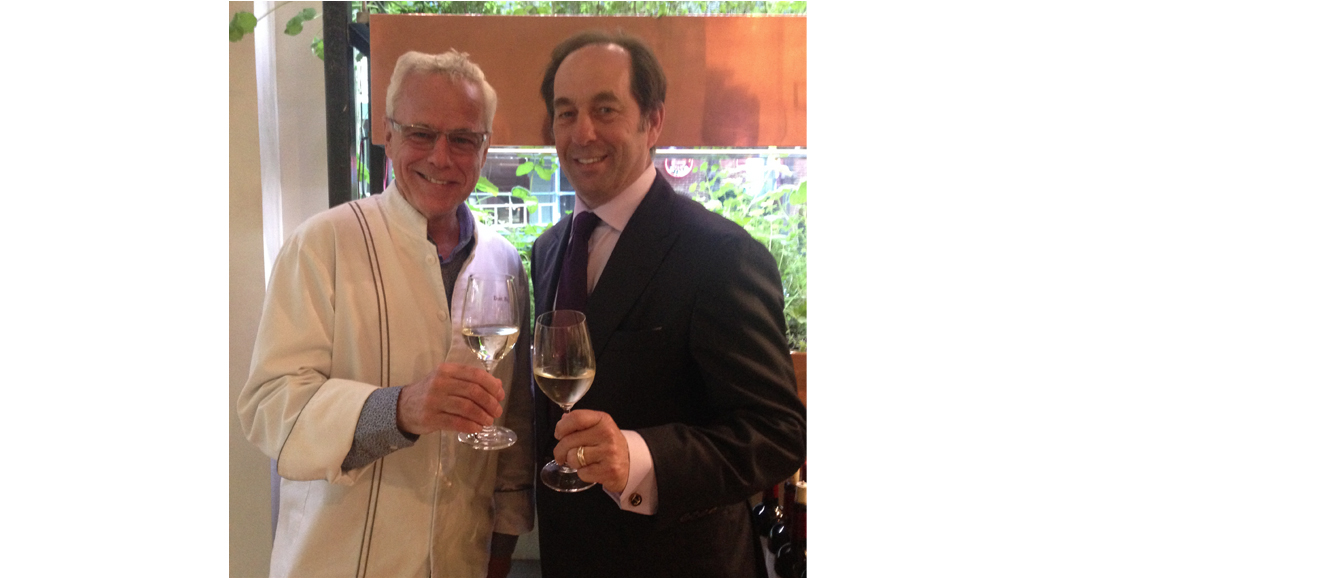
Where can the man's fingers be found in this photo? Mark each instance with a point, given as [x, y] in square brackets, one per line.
[578, 420]
[595, 441]
[458, 414]
[454, 423]
[572, 454]
[603, 464]
[476, 395]
[466, 408]
[480, 378]
[599, 451]
[453, 397]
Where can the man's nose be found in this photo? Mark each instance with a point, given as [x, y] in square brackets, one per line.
[442, 154]
[583, 131]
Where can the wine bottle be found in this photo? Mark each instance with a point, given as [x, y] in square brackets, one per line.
[768, 512]
[799, 517]
[780, 533]
[790, 491]
[789, 561]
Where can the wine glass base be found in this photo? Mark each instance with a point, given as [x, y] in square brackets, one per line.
[496, 439]
[563, 479]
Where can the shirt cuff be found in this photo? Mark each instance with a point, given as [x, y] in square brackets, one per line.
[641, 493]
[376, 434]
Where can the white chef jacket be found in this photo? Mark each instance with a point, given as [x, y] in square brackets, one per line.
[356, 301]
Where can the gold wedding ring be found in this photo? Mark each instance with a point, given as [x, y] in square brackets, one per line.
[580, 456]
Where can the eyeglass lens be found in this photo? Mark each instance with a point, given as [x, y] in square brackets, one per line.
[462, 141]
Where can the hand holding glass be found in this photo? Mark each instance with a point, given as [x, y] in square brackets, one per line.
[563, 362]
[490, 325]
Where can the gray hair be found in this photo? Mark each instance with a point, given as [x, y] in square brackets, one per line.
[454, 64]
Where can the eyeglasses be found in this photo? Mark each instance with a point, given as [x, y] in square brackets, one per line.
[460, 141]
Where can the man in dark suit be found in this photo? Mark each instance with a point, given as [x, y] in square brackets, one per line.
[694, 406]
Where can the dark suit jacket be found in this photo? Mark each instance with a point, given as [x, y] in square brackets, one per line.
[688, 332]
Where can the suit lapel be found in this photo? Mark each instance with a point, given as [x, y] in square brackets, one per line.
[639, 252]
[548, 265]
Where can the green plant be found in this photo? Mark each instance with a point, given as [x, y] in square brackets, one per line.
[244, 22]
[522, 236]
[544, 166]
[773, 215]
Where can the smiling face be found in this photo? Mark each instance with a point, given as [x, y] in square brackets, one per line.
[602, 140]
[436, 179]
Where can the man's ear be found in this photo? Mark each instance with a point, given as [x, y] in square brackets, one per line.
[655, 125]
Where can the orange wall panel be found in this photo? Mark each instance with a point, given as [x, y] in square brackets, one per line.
[732, 80]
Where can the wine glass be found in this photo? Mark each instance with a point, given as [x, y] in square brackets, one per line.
[563, 362]
[490, 326]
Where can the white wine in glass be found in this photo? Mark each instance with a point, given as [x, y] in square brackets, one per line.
[491, 326]
[563, 362]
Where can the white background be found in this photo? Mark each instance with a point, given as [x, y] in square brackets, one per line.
[1084, 336]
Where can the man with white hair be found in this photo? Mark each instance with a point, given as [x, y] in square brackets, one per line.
[361, 381]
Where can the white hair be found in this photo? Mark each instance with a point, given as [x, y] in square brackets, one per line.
[454, 64]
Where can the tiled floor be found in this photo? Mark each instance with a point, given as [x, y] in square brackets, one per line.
[530, 568]
[525, 569]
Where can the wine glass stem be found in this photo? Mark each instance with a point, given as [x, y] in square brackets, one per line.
[566, 467]
[488, 429]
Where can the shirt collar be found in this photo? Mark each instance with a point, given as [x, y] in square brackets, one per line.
[466, 220]
[617, 212]
[404, 212]
[418, 225]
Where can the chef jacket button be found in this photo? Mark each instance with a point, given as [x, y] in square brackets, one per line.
[636, 499]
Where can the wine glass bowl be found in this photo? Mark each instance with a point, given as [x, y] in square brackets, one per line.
[563, 361]
[490, 327]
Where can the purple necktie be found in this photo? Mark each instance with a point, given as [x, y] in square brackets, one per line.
[572, 288]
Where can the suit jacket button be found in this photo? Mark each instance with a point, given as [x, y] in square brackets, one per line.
[636, 499]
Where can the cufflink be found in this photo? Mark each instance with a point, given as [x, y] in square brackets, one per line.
[636, 500]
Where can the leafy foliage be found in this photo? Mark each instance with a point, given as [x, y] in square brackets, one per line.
[240, 24]
[773, 215]
[542, 166]
[296, 24]
[244, 22]
[522, 237]
[485, 186]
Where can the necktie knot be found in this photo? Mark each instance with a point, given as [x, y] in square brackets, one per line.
[583, 226]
